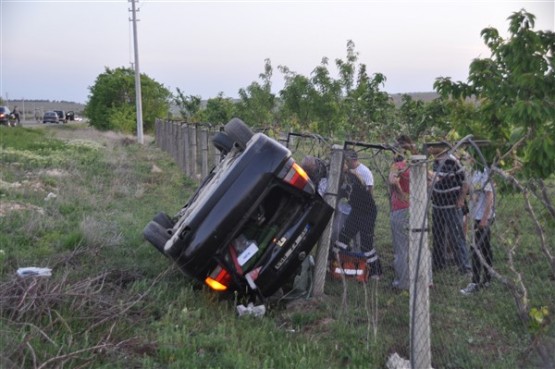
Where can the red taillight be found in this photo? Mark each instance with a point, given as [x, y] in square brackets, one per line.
[297, 177]
[218, 280]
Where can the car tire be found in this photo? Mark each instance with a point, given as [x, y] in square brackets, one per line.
[239, 132]
[164, 220]
[222, 142]
[157, 235]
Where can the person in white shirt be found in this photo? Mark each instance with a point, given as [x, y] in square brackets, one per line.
[351, 158]
[482, 211]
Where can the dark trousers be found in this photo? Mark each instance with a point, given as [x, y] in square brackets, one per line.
[363, 221]
[448, 223]
[482, 238]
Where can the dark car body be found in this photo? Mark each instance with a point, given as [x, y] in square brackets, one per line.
[61, 115]
[4, 115]
[251, 223]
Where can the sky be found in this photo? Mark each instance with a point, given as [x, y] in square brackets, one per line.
[55, 50]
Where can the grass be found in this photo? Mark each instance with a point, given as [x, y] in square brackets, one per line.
[76, 200]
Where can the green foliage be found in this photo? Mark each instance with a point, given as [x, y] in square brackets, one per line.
[189, 106]
[219, 110]
[112, 100]
[539, 319]
[345, 106]
[257, 103]
[515, 90]
[123, 118]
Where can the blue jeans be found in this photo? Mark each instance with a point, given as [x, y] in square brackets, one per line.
[399, 220]
[448, 222]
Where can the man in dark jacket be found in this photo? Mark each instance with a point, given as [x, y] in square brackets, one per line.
[361, 219]
[449, 189]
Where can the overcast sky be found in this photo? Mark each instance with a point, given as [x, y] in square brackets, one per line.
[55, 49]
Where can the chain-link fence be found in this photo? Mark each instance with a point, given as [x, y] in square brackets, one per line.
[437, 257]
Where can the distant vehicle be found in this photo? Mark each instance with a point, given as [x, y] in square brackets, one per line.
[61, 115]
[70, 116]
[50, 117]
[5, 115]
[252, 221]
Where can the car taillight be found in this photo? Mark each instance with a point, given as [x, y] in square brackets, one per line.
[297, 177]
[218, 280]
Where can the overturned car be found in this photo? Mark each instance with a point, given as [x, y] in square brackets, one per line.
[251, 222]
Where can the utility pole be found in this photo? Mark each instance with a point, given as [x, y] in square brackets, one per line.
[138, 97]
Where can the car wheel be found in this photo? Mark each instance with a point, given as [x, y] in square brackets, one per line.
[239, 132]
[164, 220]
[222, 142]
[157, 235]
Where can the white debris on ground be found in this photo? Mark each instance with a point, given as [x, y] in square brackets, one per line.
[34, 272]
[50, 196]
[257, 311]
[397, 362]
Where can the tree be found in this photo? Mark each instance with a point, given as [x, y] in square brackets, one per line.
[257, 103]
[189, 106]
[296, 108]
[515, 92]
[111, 103]
[342, 106]
[219, 110]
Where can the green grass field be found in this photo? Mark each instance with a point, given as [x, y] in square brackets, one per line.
[76, 200]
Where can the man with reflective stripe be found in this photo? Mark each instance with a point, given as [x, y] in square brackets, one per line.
[357, 188]
[449, 188]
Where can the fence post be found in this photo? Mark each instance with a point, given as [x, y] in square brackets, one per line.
[203, 138]
[216, 154]
[419, 266]
[193, 152]
[166, 135]
[175, 140]
[322, 252]
[185, 155]
[157, 132]
[180, 150]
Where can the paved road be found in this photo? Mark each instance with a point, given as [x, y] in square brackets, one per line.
[31, 123]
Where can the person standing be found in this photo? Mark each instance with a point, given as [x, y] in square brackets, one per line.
[399, 183]
[15, 112]
[449, 189]
[351, 158]
[361, 218]
[481, 209]
[358, 220]
[365, 175]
